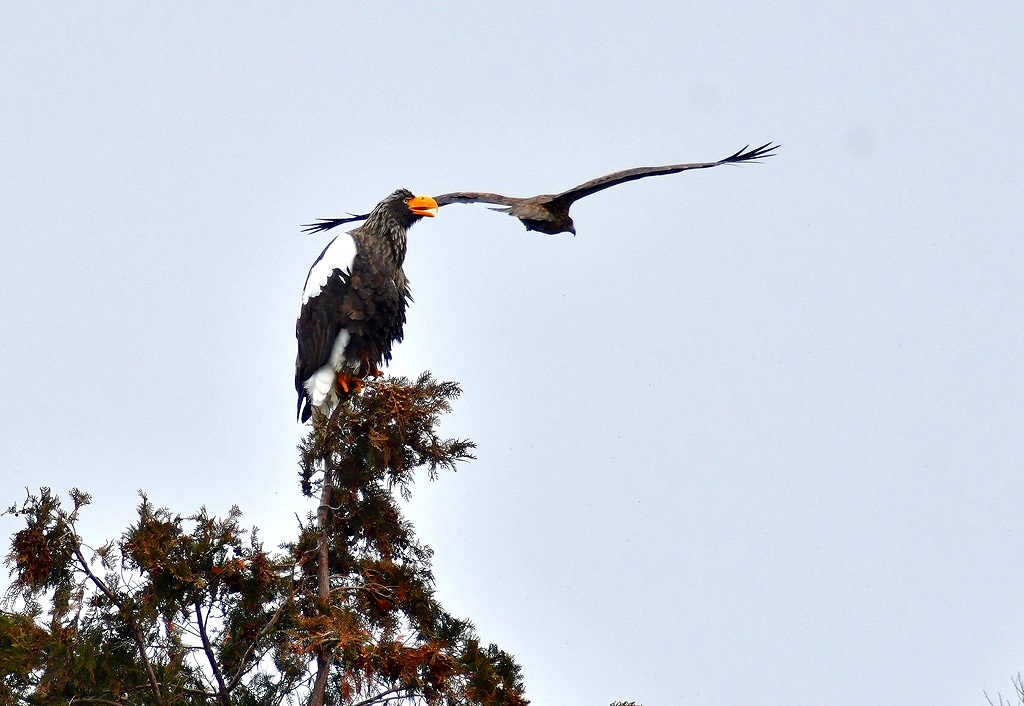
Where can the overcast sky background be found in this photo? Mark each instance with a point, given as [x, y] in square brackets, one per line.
[754, 436]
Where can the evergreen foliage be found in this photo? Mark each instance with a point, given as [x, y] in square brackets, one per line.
[195, 610]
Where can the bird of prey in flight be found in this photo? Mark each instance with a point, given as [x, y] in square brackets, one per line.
[549, 213]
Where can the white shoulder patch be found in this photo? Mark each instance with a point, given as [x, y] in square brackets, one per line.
[339, 254]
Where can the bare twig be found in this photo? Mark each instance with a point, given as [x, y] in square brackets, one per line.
[383, 696]
[222, 692]
[132, 625]
[242, 669]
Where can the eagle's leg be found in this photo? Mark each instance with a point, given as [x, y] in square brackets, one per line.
[349, 383]
[372, 370]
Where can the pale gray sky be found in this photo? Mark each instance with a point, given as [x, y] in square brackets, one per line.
[754, 436]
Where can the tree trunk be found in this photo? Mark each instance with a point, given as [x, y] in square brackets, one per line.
[323, 664]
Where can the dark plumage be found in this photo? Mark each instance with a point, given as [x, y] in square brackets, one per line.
[549, 213]
[353, 304]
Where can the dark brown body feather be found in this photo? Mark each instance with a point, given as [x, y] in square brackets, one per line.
[368, 301]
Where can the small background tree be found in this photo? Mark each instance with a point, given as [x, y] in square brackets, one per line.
[1018, 689]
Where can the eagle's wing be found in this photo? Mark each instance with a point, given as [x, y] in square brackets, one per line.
[475, 197]
[325, 310]
[316, 330]
[328, 223]
[609, 180]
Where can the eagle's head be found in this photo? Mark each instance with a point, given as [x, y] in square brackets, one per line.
[389, 222]
[404, 209]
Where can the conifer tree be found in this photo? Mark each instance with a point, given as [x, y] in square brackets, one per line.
[195, 610]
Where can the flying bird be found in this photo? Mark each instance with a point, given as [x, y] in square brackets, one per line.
[549, 213]
[353, 304]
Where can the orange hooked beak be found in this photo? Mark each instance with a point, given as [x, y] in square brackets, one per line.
[422, 206]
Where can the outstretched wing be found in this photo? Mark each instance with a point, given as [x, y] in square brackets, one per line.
[442, 200]
[609, 180]
[566, 198]
[475, 197]
[328, 223]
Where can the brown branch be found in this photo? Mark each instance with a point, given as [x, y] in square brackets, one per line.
[222, 692]
[136, 632]
[385, 695]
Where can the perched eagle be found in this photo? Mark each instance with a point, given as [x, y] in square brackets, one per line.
[353, 304]
[549, 213]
